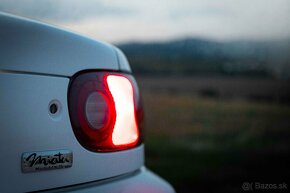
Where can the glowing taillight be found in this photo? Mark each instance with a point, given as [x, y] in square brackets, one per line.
[125, 129]
[105, 111]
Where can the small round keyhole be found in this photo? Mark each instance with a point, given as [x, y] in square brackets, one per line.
[53, 108]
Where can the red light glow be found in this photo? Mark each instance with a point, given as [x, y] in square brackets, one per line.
[105, 111]
[125, 131]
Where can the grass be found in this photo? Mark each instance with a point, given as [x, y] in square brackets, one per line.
[212, 144]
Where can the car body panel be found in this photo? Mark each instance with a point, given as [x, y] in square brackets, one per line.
[27, 126]
[123, 62]
[29, 46]
[37, 62]
[140, 181]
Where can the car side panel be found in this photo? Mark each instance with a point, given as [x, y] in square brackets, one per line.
[27, 126]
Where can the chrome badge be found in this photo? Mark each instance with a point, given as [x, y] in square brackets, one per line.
[46, 160]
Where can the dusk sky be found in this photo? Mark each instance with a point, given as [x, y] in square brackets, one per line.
[160, 20]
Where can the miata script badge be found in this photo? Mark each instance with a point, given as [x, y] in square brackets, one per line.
[46, 160]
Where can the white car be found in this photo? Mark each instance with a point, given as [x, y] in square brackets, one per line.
[70, 114]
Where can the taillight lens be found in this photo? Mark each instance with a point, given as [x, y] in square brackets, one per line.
[105, 111]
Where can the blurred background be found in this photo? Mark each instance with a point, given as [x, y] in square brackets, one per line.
[215, 79]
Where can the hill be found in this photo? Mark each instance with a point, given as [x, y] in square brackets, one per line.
[204, 57]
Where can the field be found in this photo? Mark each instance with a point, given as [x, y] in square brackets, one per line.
[214, 134]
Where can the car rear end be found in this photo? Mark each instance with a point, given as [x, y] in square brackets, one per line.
[71, 114]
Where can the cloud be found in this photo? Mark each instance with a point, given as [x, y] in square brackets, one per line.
[150, 20]
[60, 11]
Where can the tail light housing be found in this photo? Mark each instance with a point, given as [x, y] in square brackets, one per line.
[105, 111]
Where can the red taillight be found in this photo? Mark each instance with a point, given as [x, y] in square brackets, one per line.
[105, 111]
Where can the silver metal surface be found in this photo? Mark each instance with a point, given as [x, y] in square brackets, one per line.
[26, 126]
[46, 160]
[32, 47]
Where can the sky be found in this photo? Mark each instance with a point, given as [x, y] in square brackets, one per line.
[118, 21]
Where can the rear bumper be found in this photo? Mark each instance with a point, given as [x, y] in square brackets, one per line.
[141, 181]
